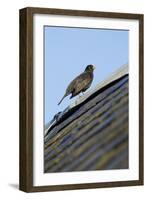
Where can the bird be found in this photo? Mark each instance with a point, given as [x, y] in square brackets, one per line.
[81, 83]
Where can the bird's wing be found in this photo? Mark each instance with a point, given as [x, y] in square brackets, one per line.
[80, 83]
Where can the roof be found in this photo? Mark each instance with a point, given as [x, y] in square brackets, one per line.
[92, 133]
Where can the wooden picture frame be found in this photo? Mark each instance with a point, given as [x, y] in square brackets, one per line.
[27, 97]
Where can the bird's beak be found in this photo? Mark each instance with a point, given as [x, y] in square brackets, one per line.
[94, 67]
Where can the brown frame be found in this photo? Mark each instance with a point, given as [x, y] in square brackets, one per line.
[26, 99]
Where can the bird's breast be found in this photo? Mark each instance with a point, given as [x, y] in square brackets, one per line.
[82, 83]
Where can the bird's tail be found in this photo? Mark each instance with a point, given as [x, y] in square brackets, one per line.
[62, 99]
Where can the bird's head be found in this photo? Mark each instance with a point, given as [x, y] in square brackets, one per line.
[90, 68]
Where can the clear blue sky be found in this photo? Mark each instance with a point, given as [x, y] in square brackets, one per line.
[69, 50]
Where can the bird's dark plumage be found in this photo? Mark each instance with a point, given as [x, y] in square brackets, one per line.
[81, 83]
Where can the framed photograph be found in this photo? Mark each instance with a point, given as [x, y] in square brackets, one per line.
[81, 99]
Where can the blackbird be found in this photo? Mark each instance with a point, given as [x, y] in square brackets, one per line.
[81, 83]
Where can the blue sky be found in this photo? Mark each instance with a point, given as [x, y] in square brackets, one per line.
[67, 51]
